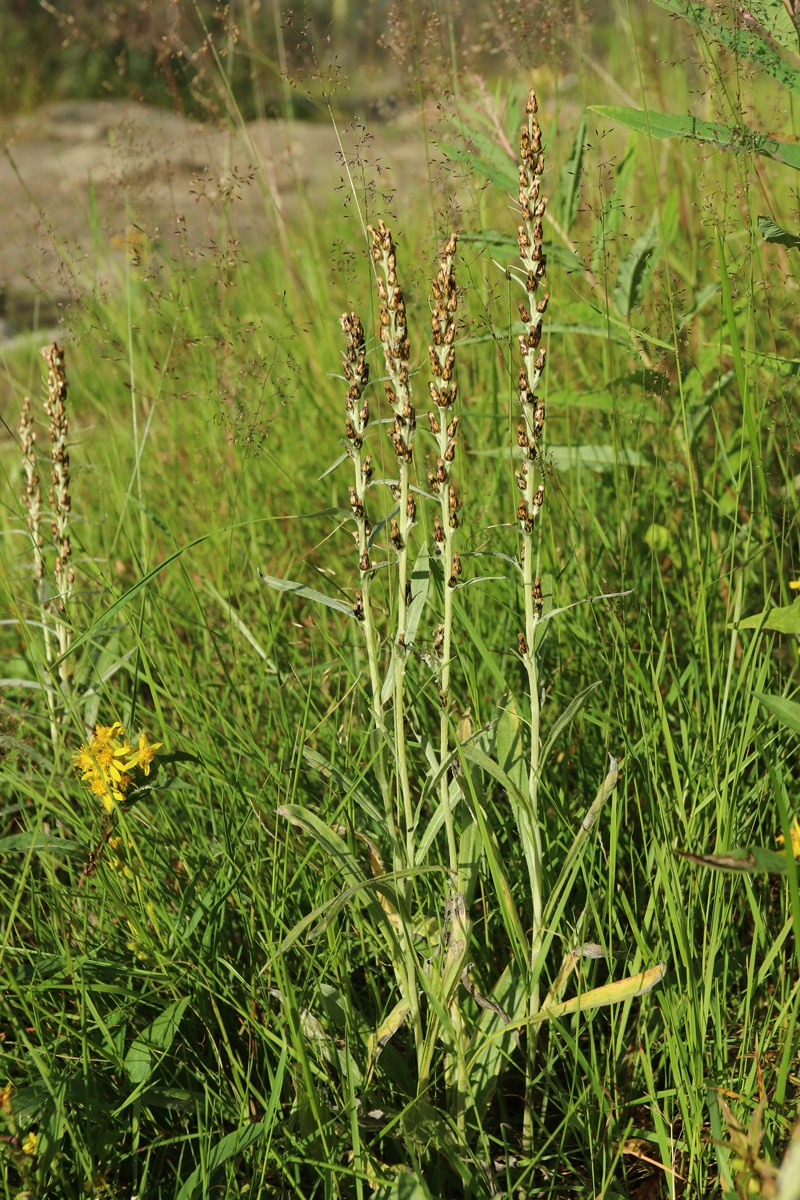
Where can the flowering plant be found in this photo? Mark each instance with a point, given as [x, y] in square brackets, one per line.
[109, 765]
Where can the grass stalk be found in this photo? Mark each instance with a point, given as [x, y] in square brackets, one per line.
[443, 390]
[394, 338]
[32, 503]
[529, 432]
[60, 498]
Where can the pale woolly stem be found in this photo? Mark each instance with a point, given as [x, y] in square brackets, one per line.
[443, 425]
[63, 574]
[529, 240]
[32, 502]
[394, 337]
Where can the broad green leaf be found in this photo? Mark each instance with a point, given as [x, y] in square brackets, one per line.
[595, 458]
[569, 183]
[745, 43]
[781, 620]
[307, 593]
[771, 232]
[420, 582]
[226, 1148]
[636, 268]
[753, 860]
[787, 711]
[157, 1037]
[347, 787]
[773, 16]
[510, 750]
[38, 843]
[738, 139]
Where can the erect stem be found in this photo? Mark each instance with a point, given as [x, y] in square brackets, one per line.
[443, 393]
[394, 337]
[529, 240]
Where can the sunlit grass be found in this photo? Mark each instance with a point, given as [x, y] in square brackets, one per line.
[182, 1032]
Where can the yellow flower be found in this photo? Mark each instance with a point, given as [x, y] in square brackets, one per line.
[106, 763]
[794, 583]
[29, 1144]
[5, 1100]
[795, 836]
[143, 757]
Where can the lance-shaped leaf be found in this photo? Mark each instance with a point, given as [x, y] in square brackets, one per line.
[420, 581]
[601, 997]
[635, 270]
[754, 860]
[569, 181]
[772, 232]
[781, 620]
[307, 593]
[739, 139]
[787, 711]
[745, 43]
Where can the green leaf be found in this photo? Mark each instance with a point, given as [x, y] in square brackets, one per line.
[754, 860]
[158, 1036]
[738, 139]
[636, 268]
[226, 1148]
[340, 855]
[781, 620]
[787, 711]
[596, 458]
[569, 183]
[307, 593]
[420, 581]
[771, 232]
[38, 843]
[745, 43]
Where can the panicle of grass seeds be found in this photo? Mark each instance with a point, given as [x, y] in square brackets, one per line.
[32, 496]
[356, 371]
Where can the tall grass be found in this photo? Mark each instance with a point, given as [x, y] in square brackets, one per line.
[337, 1003]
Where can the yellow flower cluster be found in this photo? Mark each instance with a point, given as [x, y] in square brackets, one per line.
[794, 831]
[108, 763]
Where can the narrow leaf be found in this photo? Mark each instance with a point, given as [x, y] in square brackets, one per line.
[636, 268]
[569, 183]
[771, 232]
[228, 1147]
[754, 860]
[745, 43]
[738, 139]
[787, 711]
[125, 600]
[307, 593]
[781, 620]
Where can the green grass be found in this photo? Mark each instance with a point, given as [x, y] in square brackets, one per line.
[171, 1033]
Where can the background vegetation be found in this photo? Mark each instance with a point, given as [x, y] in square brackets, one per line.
[167, 1028]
